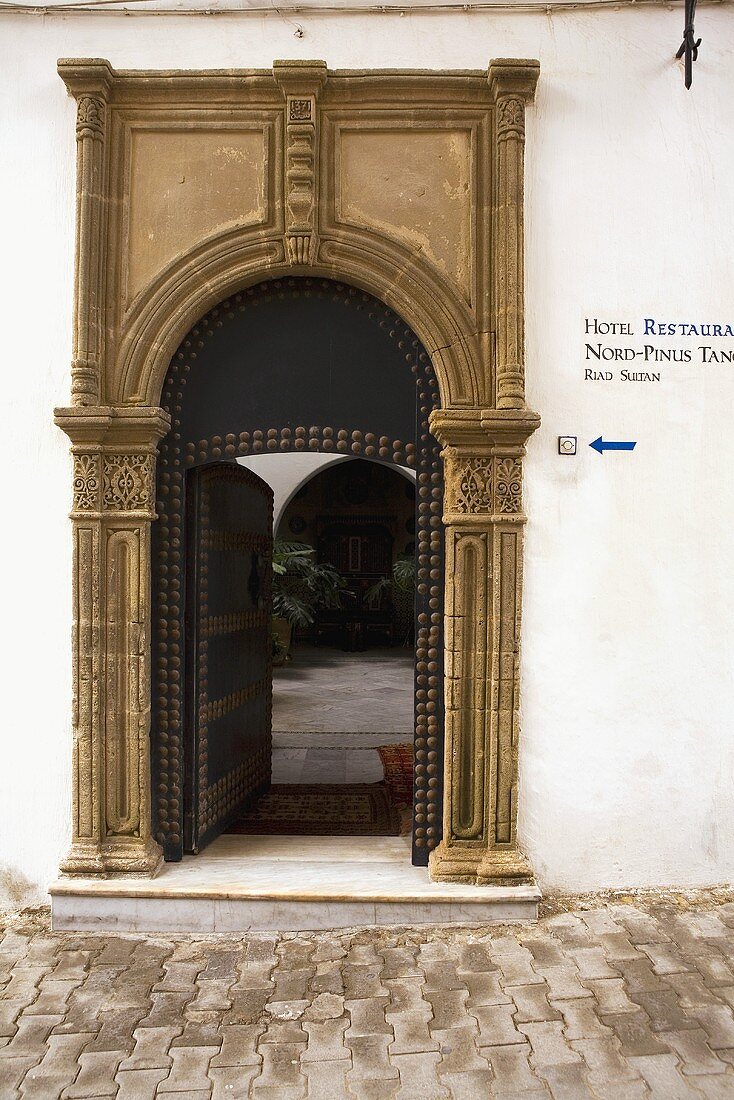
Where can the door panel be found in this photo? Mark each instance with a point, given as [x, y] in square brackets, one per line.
[228, 646]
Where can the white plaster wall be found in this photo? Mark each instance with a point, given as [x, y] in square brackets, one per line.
[627, 753]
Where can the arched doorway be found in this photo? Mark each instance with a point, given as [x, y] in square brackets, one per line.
[293, 365]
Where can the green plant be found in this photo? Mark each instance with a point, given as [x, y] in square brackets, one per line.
[402, 580]
[301, 585]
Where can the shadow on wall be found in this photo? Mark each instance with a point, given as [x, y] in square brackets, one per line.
[16, 891]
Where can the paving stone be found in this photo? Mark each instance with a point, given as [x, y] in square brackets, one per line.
[449, 1008]
[363, 981]
[591, 963]
[211, 996]
[139, 1084]
[96, 1077]
[663, 1079]
[718, 1023]
[291, 985]
[640, 927]
[475, 958]
[280, 1069]
[179, 976]
[616, 945]
[29, 1040]
[600, 922]
[71, 966]
[203, 1031]
[374, 1089]
[567, 1081]
[326, 1079]
[532, 1004]
[665, 958]
[563, 982]
[603, 1060]
[248, 1005]
[485, 989]
[548, 1045]
[328, 979]
[326, 1006]
[512, 1072]
[57, 1069]
[691, 991]
[369, 1058]
[719, 1087]
[166, 1010]
[12, 1072]
[694, 1052]
[151, 1048]
[418, 1076]
[621, 1090]
[459, 1052]
[580, 1020]
[409, 1014]
[639, 976]
[325, 1041]
[221, 965]
[53, 998]
[664, 1010]
[569, 930]
[232, 1082]
[282, 1031]
[469, 1084]
[116, 1032]
[9, 1013]
[496, 1025]
[189, 1070]
[634, 1034]
[545, 952]
[517, 970]
[239, 1046]
[367, 1017]
[714, 970]
[255, 973]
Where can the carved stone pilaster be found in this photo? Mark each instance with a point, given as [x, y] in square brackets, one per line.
[91, 88]
[300, 82]
[483, 521]
[113, 505]
[512, 84]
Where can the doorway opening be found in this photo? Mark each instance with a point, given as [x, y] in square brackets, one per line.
[298, 370]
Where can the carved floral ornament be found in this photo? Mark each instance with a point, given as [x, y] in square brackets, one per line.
[483, 486]
[125, 481]
[90, 117]
[511, 116]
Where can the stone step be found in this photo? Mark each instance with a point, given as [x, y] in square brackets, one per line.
[256, 883]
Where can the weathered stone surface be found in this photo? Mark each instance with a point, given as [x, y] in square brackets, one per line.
[604, 1041]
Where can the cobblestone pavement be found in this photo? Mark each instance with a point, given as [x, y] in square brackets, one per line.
[618, 1001]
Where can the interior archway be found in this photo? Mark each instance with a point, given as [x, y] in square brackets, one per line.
[296, 365]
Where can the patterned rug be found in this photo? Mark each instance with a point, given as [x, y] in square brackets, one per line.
[322, 809]
[397, 760]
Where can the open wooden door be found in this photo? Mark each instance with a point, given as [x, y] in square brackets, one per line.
[228, 647]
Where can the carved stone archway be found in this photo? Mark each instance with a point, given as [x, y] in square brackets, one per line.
[192, 186]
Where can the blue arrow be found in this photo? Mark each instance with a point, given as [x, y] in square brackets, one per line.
[600, 446]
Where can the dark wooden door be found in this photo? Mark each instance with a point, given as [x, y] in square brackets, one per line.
[228, 646]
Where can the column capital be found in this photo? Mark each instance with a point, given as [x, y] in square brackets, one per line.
[513, 76]
[105, 427]
[484, 431]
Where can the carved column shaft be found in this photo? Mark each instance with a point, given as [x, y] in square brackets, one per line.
[483, 521]
[90, 226]
[513, 85]
[300, 82]
[113, 486]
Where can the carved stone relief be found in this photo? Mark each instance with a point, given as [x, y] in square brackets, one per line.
[133, 306]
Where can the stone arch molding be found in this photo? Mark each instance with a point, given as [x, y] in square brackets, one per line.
[193, 185]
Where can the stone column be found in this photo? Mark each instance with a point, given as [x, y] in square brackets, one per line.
[113, 505]
[512, 84]
[483, 521]
[91, 85]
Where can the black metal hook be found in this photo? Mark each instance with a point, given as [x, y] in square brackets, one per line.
[690, 44]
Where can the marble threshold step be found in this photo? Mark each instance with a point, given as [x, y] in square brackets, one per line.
[284, 883]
